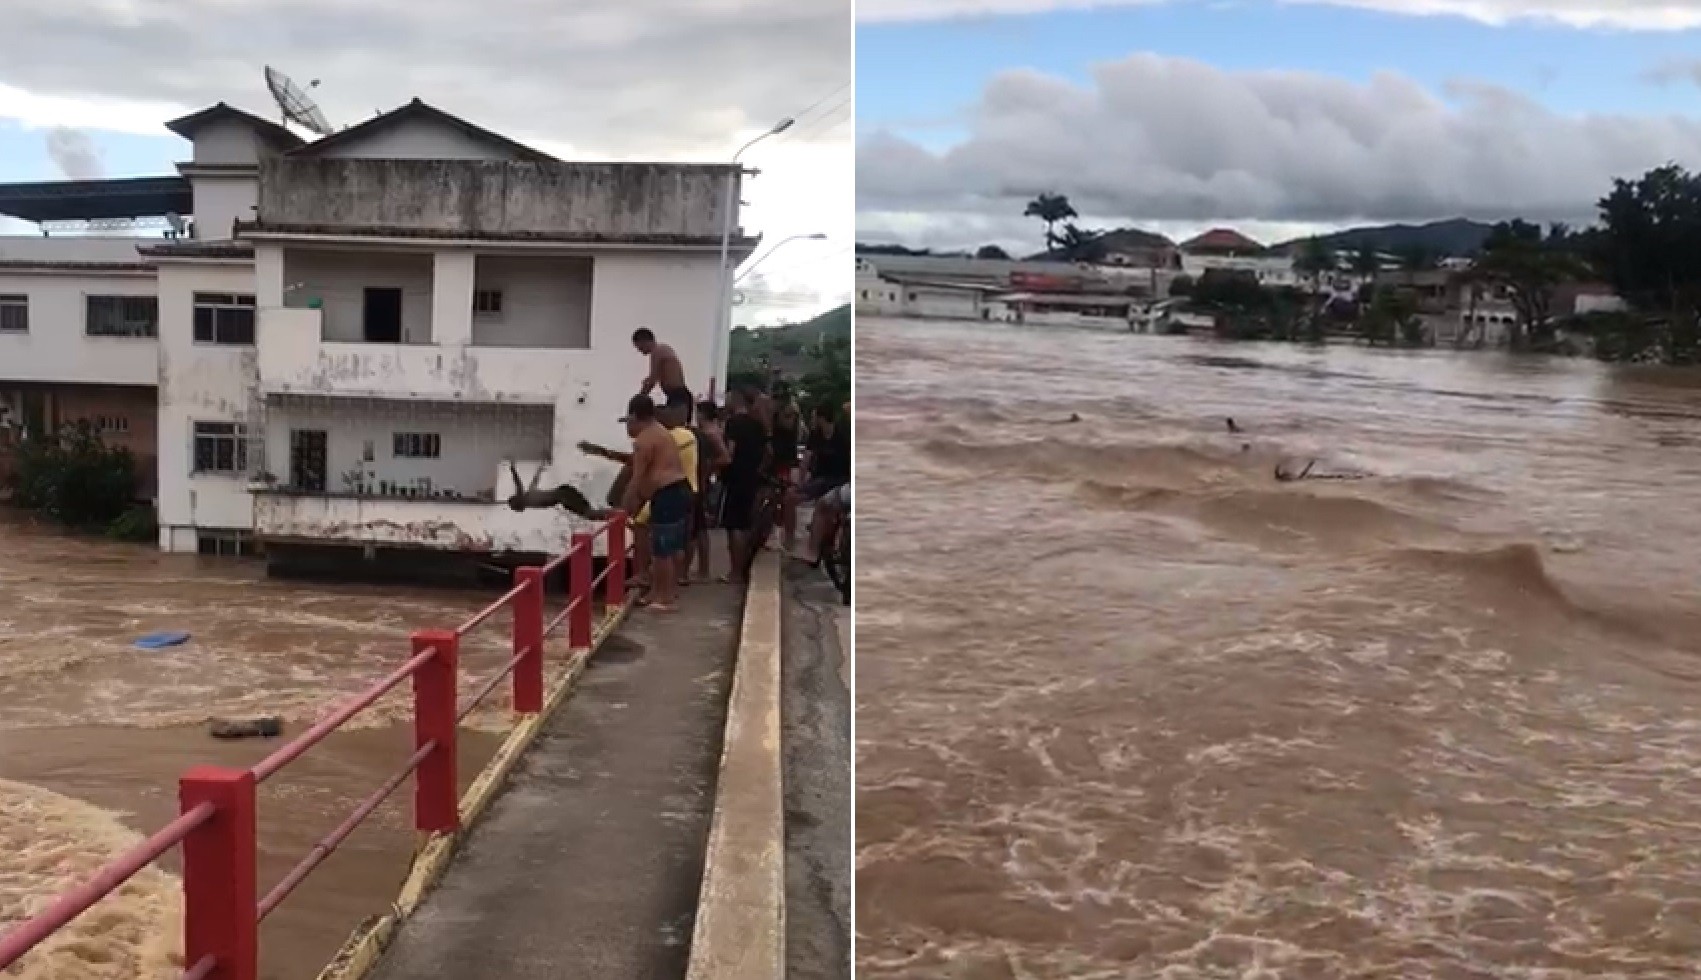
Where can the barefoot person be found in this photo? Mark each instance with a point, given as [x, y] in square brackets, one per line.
[711, 460]
[658, 480]
[672, 418]
[665, 370]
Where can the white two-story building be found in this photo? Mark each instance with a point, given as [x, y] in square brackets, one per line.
[362, 332]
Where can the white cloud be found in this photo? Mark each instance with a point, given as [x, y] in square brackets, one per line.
[1155, 139]
[645, 79]
[1648, 15]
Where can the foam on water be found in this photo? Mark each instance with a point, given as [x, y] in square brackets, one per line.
[49, 842]
[1129, 709]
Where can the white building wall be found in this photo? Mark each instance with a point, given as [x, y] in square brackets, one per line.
[199, 382]
[1270, 270]
[875, 295]
[585, 390]
[227, 141]
[672, 293]
[221, 201]
[418, 139]
[475, 440]
[546, 301]
[57, 346]
[339, 280]
[957, 304]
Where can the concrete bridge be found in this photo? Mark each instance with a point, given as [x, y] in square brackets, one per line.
[675, 805]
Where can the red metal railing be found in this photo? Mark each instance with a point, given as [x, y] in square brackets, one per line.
[217, 826]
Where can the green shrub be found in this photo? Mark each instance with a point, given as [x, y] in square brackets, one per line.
[138, 524]
[75, 479]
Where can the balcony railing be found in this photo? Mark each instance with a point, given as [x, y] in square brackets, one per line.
[295, 359]
[435, 524]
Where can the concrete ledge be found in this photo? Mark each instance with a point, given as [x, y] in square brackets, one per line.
[362, 950]
[740, 928]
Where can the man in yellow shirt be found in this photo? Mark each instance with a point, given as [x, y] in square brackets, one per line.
[673, 417]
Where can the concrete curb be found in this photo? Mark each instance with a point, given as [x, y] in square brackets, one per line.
[740, 931]
[361, 952]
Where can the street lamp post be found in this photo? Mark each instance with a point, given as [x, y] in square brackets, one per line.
[812, 237]
[723, 305]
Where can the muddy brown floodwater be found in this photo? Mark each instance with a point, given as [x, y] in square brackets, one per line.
[1129, 707]
[94, 733]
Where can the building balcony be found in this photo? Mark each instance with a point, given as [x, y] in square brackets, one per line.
[294, 359]
[465, 526]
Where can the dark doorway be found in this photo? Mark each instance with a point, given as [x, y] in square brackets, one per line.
[308, 460]
[383, 316]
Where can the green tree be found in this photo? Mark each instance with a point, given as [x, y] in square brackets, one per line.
[1519, 258]
[1077, 245]
[1050, 208]
[1314, 261]
[1416, 258]
[1649, 247]
[1390, 318]
[1366, 262]
[75, 478]
[991, 252]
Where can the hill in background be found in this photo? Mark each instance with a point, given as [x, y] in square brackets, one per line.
[1456, 236]
[789, 349]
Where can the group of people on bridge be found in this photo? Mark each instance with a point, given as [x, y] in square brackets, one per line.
[694, 466]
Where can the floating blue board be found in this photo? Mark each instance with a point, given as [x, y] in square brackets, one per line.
[155, 641]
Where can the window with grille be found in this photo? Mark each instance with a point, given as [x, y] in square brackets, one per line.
[220, 447]
[14, 313]
[123, 316]
[487, 302]
[224, 318]
[111, 423]
[417, 445]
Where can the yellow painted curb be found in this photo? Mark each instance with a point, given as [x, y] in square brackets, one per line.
[360, 953]
[740, 933]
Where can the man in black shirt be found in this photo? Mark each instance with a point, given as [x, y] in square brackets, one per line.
[829, 452]
[748, 452]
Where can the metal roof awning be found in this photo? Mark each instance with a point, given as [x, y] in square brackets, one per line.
[96, 200]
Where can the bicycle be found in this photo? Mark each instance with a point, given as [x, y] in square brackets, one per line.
[763, 514]
[838, 558]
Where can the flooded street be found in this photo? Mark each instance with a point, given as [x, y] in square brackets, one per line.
[94, 734]
[1128, 706]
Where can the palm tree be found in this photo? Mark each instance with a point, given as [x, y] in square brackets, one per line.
[1050, 208]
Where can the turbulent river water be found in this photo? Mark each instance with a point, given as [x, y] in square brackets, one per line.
[94, 733]
[1127, 706]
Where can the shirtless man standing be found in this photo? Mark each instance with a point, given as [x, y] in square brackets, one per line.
[658, 478]
[665, 370]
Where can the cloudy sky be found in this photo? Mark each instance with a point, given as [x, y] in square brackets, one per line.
[1278, 117]
[86, 84]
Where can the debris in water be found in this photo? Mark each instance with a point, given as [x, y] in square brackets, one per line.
[157, 641]
[252, 728]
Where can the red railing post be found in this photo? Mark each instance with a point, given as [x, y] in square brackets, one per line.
[436, 808]
[528, 635]
[579, 578]
[616, 581]
[220, 918]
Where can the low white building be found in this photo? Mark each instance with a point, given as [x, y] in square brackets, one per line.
[365, 329]
[78, 320]
[1270, 270]
[876, 296]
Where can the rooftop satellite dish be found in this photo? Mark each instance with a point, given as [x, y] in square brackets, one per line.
[297, 107]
